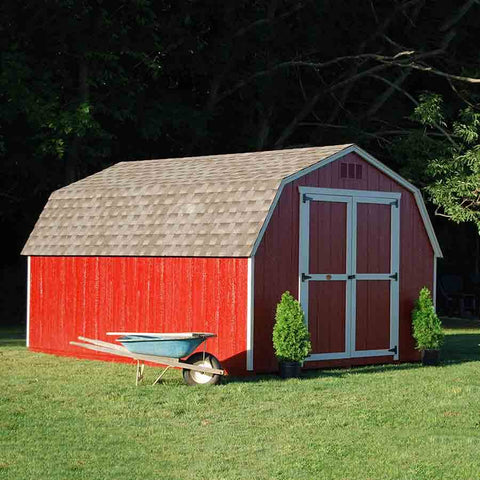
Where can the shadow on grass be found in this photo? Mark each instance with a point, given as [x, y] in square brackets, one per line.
[463, 323]
[331, 372]
[459, 347]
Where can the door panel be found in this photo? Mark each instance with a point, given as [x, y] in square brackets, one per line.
[373, 238]
[328, 237]
[372, 325]
[327, 316]
[348, 271]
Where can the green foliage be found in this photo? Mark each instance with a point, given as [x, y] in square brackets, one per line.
[455, 189]
[445, 157]
[291, 339]
[468, 127]
[427, 327]
[430, 110]
[76, 89]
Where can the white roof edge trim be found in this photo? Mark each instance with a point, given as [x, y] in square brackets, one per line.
[372, 160]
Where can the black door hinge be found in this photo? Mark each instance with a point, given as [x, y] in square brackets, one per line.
[394, 276]
[305, 277]
[306, 198]
[393, 350]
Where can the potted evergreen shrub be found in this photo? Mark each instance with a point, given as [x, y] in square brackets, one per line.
[291, 339]
[427, 328]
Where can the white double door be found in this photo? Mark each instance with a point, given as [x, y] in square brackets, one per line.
[348, 271]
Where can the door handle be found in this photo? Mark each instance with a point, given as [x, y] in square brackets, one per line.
[350, 277]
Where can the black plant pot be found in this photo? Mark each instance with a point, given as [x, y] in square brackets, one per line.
[430, 357]
[290, 369]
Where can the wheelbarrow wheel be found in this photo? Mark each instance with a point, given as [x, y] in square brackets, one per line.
[193, 377]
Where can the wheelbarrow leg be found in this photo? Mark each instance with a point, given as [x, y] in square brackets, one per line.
[140, 369]
[161, 375]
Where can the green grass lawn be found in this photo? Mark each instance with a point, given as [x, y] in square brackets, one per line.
[62, 418]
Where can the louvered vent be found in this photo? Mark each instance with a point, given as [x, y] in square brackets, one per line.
[358, 172]
[351, 170]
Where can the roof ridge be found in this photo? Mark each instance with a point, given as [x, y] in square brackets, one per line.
[238, 154]
[150, 186]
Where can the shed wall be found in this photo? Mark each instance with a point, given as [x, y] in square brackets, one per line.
[276, 260]
[89, 296]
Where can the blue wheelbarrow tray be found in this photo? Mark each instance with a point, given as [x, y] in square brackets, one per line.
[161, 346]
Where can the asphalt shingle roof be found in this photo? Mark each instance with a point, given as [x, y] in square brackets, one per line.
[212, 206]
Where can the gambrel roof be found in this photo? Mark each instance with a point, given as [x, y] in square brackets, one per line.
[211, 206]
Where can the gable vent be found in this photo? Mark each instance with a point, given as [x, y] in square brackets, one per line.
[351, 170]
[358, 172]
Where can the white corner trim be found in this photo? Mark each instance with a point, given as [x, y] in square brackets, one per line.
[250, 306]
[434, 293]
[28, 303]
[372, 160]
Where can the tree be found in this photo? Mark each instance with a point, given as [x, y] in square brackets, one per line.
[71, 72]
[455, 170]
[87, 84]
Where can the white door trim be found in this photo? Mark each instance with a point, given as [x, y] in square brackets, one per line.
[351, 198]
[395, 285]
[350, 193]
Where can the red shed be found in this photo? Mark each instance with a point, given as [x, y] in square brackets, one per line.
[211, 243]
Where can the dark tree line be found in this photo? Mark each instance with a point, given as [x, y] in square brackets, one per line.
[84, 84]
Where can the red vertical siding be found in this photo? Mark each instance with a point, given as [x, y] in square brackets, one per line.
[89, 296]
[276, 261]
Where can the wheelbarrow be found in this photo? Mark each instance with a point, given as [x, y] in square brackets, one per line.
[174, 350]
